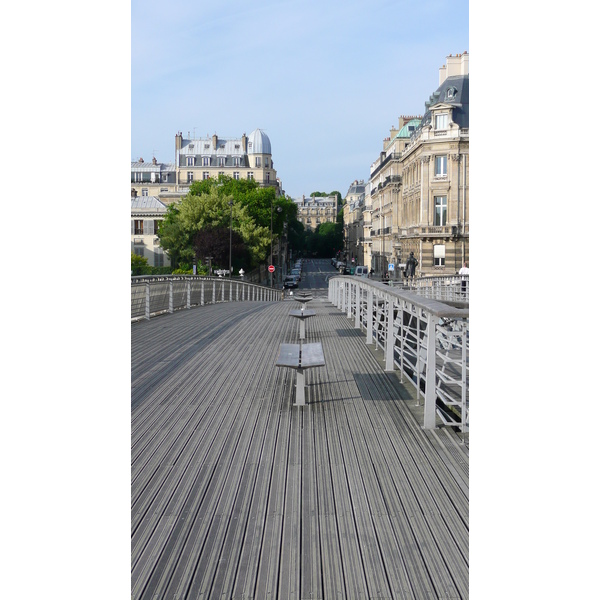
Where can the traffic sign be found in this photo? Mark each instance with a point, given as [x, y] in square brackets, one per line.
[390, 266]
[271, 269]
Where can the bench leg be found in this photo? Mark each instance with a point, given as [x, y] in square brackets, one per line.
[300, 399]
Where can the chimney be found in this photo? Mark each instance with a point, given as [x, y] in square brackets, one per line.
[215, 139]
[244, 143]
[178, 139]
[133, 193]
[154, 160]
[442, 75]
[141, 160]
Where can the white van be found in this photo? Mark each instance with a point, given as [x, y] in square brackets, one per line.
[361, 271]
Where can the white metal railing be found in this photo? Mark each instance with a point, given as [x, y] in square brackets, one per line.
[154, 295]
[426, 340]
[446, 288]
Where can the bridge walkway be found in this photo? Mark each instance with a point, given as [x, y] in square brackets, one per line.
[236, 493]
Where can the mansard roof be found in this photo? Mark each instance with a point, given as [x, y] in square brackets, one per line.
[454, 92]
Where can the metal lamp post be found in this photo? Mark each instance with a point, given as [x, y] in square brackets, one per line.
[230, 228]
[279, 210]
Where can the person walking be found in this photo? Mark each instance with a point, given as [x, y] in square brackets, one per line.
[464, 270]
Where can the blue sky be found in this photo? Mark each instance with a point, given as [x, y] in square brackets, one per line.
[325, 80]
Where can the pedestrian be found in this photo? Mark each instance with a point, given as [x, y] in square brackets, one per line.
[411, 266]
[371, 272]
[464, 273]
[386, 277]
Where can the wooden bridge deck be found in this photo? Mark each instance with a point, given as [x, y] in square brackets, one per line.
[238, 494]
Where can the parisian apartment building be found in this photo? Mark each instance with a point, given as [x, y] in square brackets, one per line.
[417, 197]
[146, 214]
[314, 210]
[247, 157]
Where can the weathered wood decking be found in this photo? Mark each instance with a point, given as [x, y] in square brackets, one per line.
[236, 493]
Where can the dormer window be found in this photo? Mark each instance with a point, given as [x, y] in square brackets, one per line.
[441, 121]
[451, 93]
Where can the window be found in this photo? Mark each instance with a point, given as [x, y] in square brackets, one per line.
[221, 173]
[441, 166]
[190, 161]
[138, 227]
[205, 161]
[257, 161]
[205, 175]
[221, 161]
[190, 175]
[266, 162]
[236, 161]
[156, 225]
[441, 121]
[164, 189]
[441, 210]
[268, 177]
[144, 191]
[439, 255]
[138, 250]
[159, 258]
[250, 175]
[236, 174]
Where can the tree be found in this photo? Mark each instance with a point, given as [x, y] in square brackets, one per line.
[207, 207]
[139, 264]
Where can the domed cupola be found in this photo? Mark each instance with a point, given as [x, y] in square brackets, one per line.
[259, 142]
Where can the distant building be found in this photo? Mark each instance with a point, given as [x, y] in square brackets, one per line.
[419, 185]
[146, 213]
[354, 223]
[241, 158]
[314, 210]
[152, 178]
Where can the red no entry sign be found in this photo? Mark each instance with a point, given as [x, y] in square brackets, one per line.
[271, 269]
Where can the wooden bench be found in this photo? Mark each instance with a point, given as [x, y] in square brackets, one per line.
[300, 357]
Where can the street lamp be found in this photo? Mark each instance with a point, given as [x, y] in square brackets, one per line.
[279, 210]
[230, 227]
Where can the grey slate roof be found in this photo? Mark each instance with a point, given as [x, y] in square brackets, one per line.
[147, 203]
[459, 99]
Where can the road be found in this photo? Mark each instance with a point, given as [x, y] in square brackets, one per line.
[316, 273]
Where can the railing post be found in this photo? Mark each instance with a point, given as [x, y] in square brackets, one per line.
[147, 311]
[389, 336]
[358, 307]
[189, 294]
[369, 315]
[214, 295]
[430, 395]
[349, 307]
[202, 293]
[171, 296]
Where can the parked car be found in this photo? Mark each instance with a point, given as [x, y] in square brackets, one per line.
[361, 271]
[298, 274]
[290, 282]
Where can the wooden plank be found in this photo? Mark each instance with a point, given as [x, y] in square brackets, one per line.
[237, 494]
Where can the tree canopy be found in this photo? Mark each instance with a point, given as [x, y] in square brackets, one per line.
[206, 212]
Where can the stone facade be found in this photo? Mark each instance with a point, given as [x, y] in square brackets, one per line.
[146, 213]
[419, 185]
[313, 211]
[248, 157]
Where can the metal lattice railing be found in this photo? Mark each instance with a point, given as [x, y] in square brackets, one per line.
[154, 295]
[426, 340]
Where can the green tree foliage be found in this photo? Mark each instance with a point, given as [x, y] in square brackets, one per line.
[139, 264]
[206, 208]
